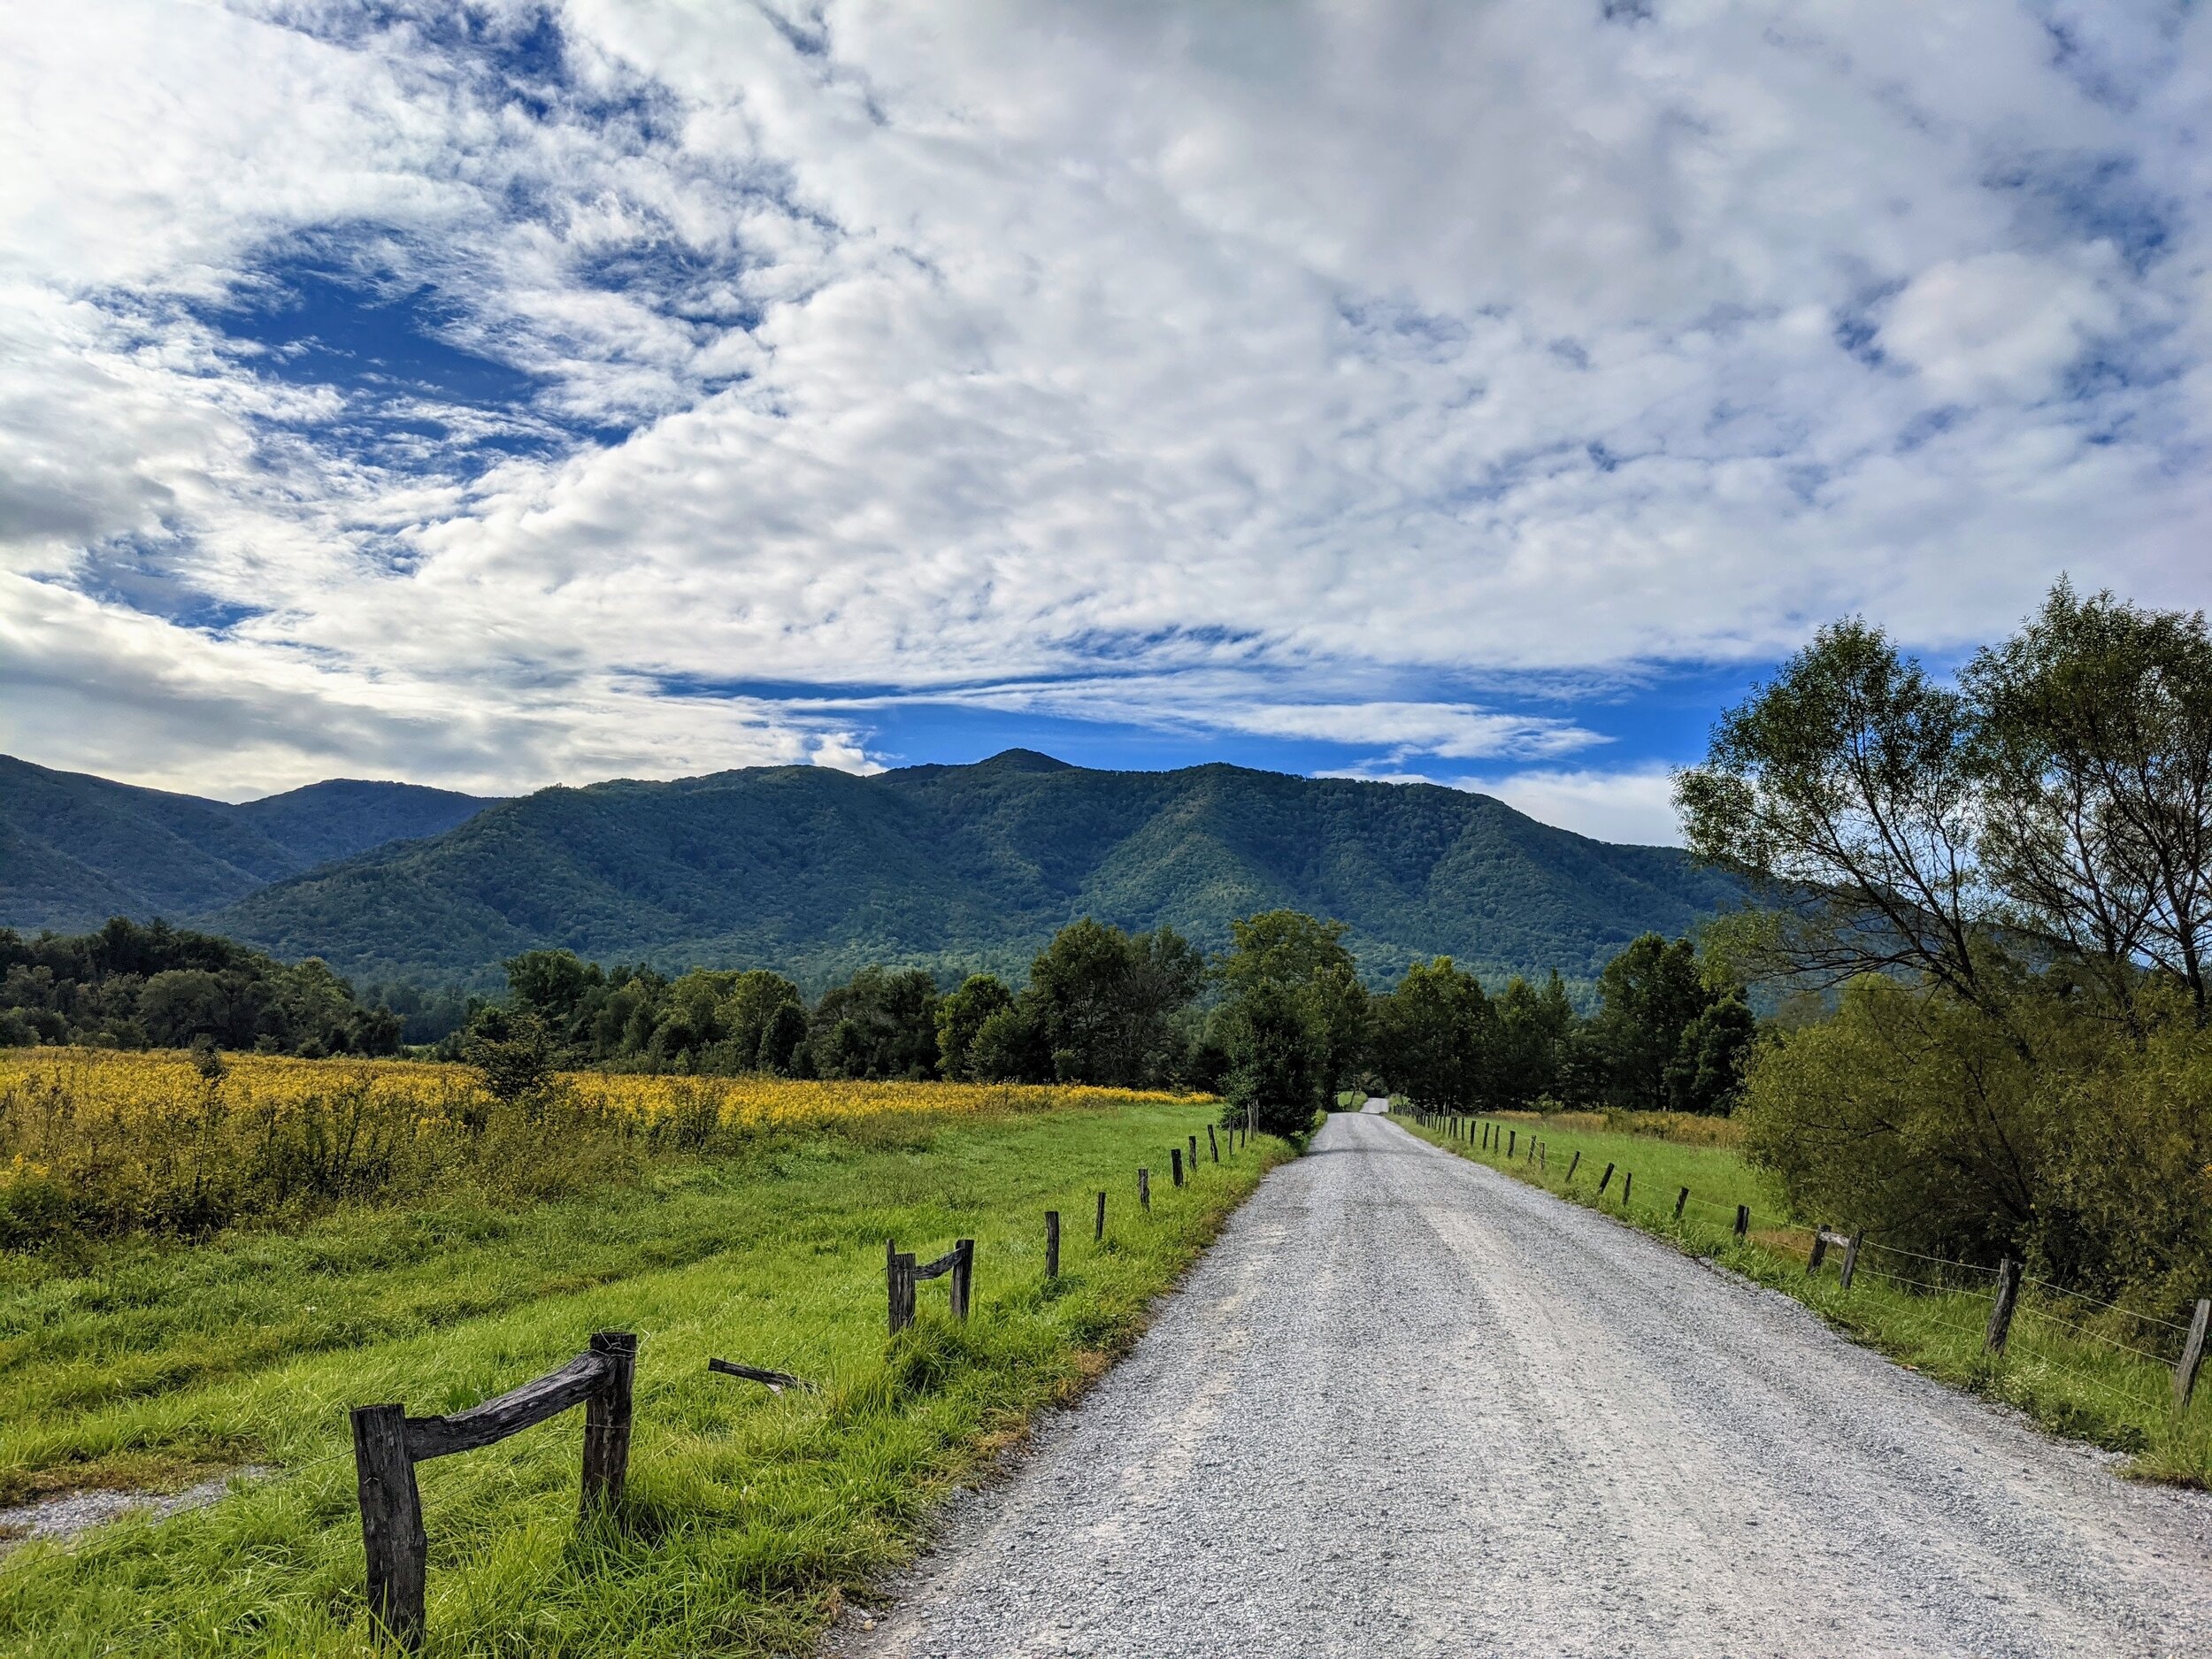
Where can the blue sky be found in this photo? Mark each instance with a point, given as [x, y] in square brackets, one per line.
[502, 394]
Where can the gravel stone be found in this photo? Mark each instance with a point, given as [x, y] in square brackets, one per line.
[1407, 1405]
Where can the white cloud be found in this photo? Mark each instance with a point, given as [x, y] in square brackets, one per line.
[1635, 806]
[1208, 366]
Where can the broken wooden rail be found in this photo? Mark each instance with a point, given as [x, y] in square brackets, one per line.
[388, 1444]
[901, 1275]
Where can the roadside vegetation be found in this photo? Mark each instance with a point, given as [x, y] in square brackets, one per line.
[2094, 1372]
[141, 1361]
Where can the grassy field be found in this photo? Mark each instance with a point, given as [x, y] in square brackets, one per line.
[2068, 1365]
[147, 1363]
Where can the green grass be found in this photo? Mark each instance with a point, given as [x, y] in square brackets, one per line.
[749, 1515]
[2060, 1364]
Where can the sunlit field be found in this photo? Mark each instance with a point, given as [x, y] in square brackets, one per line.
[149, 1359]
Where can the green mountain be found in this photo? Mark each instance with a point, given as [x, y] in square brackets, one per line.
[959, 868]
[76, 850]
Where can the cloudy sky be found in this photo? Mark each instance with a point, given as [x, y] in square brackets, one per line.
[1483, 392]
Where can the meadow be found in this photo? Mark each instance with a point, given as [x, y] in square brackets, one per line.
[147, 1358]
[2089, 1370]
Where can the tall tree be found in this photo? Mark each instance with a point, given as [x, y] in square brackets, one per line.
[1432, 1035]
[1103, 1002]
[2094, 749]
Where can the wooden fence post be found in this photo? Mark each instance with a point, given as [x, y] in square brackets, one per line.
[1819, 1251]
[1212, 1145]
[607, 1424]
[1191, 1163]
[1574, 1164]
[1851, 1255]
[898, 1273]
[2001, 1309]
[2192, 1355]
[1512, 1141]
[392, 1538]
[1743, 1222]
[1603, 1179]
[1098, 1232]
[1052, 1244]
[1628, 1186]
[1144, 1189]
[1681, 1199]
[963, 1276]
[1175, 1163]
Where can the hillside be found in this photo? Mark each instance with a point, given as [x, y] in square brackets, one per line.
[76, 850]
[955, 868]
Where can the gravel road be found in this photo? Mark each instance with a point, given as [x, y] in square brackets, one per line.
[1407, 1405]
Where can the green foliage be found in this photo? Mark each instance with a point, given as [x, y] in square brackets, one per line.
[882, 1024]
[2020, 872]
[1430, 1034]
[1663, 1038]
[1103, 1002]
[969, 869]
[512, 1049]
[128, 986]
[961, 1019]
[1276, 1082]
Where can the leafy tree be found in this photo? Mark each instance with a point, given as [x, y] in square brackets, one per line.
[1277, 1078]
[1103, 1002]
[753, 1005]
[2094, 752]
[881, 1024]
[1664, 1039]
[1305, 957]
[512, 1050]
[960, 1020]
[1529, 1044]
[1846, 789]
[1430, 1036]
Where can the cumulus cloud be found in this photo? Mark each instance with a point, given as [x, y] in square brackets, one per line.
[500, 393]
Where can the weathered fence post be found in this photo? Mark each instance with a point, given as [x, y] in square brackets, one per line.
[962, 1275]
[1512, 1141]
[1144, 1189]
[2001, 1309]
[607, 1423]
[1851, 1255]
[1212, 1145]
[1098, 1230]
[1052, 1244]
[1603, 1179]
[1743, 1222]
[392, 1536]
[898, 1272]
[1628, 1186]
[1175, 1163]
[1574, 1164]
[1819, 1251]
[1192, 1162]
[2192, 1355]
[1681, 1199]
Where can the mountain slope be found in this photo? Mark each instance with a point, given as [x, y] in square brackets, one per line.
[955, 868]
[76, 850]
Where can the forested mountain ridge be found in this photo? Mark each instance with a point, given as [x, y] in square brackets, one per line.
[76, 850]
[959, 868]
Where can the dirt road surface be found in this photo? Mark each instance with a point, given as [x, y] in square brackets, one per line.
[1407, 1406]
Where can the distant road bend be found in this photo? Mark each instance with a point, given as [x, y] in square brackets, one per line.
[1407, 1405]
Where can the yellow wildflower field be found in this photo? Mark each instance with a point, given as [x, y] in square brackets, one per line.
[97, 1141]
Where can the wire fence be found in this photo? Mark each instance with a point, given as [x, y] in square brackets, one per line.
[2171, 1346]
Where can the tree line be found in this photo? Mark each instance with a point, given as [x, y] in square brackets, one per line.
[130, 985]
[1279, 1023]
[1993, 899]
